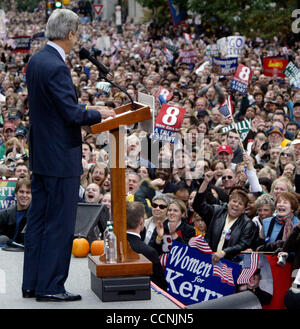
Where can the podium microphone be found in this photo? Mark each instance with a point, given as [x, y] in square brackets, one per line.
[85, 54]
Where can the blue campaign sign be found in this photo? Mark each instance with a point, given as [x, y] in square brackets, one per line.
[238, 86]
[224, 66]
[192, 278]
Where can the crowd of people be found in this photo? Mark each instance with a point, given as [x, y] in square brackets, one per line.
[212, 183]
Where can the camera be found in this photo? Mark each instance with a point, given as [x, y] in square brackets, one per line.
[265, 146]
[282, 259]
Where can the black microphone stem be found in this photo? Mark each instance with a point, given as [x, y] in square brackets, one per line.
[119, 87]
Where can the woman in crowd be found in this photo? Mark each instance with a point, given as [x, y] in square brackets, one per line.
[285, 156]
[276, 229]
[229, 230]
[159, 207]
[281, 184]
[174, 228]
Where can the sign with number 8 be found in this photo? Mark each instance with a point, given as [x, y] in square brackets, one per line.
[243, 74]
[170, 117]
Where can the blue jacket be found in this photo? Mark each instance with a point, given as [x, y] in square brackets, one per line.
[277, 227]
[55, 117]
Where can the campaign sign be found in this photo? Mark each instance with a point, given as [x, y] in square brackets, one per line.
[188, 56]
[164, 92]
[212, 50]
[168, 123]
[231, 46]
[192, 278]
[21, 44]
[274, 66]
[242, 127]
[292, 72]
[224, 66]
[241, 79]
[7, 193]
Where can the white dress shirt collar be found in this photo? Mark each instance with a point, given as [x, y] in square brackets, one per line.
[58, 48]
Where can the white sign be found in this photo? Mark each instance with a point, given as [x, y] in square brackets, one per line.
[231, 46]
[148, 100]
[103, 43]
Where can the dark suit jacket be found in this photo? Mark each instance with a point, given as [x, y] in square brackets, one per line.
[8, 223]
[55, 116]
[141, 247]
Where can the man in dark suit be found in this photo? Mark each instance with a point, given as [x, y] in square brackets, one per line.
[55, 161]
[135, 213]
[13, 219]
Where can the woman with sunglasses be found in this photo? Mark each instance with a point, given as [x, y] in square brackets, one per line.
[229, 230]
[174, 228]
[285, 156]
[159, 205]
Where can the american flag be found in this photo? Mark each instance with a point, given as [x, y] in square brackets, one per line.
[224, 109]
[224, 272]
[250, 265]
[199, 243]
[168, 55]
[163, 259]
[188, 39]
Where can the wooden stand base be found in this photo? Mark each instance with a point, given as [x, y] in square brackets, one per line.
[136, 267]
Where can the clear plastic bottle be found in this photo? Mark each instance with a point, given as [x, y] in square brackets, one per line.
[105, 235]
[111, 250]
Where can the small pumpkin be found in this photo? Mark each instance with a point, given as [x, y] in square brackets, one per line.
[97, 247]
[81, 247]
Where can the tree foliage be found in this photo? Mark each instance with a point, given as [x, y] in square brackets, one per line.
[268, 18]
[27, 5]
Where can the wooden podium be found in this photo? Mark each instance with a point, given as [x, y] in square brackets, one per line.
[129, 263]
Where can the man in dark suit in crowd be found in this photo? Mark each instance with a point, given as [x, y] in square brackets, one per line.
[135, 224]
[55, 161]
[13, 219]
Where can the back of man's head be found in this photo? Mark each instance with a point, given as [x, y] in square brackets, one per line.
[60, 23]
[134, 212]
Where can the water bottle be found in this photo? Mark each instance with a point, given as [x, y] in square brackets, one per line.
[105, 235]
[111, 250]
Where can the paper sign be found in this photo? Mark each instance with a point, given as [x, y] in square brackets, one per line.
[192, 278]
[231, 46]
[168, 123]
[224, 66]
[241, 79]
[274, 66]
[243, 128]
[7, 193]
[21, 44]
[292, 72]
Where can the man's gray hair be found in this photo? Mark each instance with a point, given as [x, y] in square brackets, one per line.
[60, 23]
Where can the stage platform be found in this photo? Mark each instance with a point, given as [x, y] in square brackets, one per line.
[79, 281]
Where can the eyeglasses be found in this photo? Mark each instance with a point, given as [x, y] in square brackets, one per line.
[226, 177]
[160, 206]
[286, 154]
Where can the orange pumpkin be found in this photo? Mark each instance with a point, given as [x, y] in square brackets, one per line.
[81, 247]
[97, 247]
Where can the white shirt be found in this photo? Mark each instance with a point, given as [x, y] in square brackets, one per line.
[226, 231]
[58, 48]
[133, 233]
